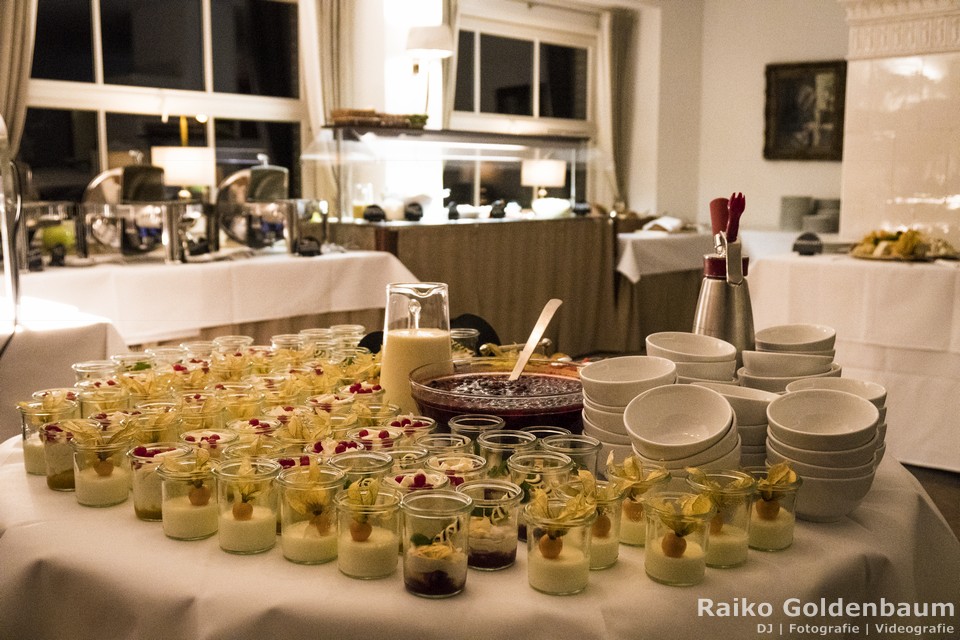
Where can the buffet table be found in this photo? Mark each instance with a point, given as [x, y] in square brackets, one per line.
[658, 283]
[897, 324]
[50, 338]
[260, 296]
[77, 572]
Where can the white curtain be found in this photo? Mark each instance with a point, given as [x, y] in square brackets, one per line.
[451, 16]
[325, 37]
[18, 25]
[602, 177]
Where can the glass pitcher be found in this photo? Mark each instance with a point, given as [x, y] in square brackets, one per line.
[416, 332]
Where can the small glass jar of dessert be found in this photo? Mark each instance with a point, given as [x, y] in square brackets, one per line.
[213, 440]
[145, 461]
[544, 431]
[435, 542]
[279, 389]
[95, 370]
[379, 438]
[638, 480]
[58, 450]
[363, 392]
[240, 405]
[375, 414]
[359, 464]
[332, 403]
[308, 513]
[102, 396]
[230, 365]
[408, 457]
[290, 349]
[458, 467]
[558, 543]
[413, 426]
[198, 349]
[583, 450]
[368, 526]
[677, 536]
[189, 496]
[347, 335]
[327, 448]
[444, 443]
[33, 415]
[249, 428]
[156, 421]
[134, 362]
[732, 493]
[605, 530]
[416, 480]
[493, 523]
[100, 470]
[496, 447]
[200, 410]
[543, 470]
[474, 424]
[247, 503]
[773, 514]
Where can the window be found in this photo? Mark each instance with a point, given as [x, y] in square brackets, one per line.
[84, 117]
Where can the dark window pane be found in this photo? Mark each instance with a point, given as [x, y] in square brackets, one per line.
[463, 100]
[63, 49]
[127, 132]
[60, 148]
[255, 48]
[152, 43]
[501, 181]
[563, 82]
[506, 72]
[240, 141]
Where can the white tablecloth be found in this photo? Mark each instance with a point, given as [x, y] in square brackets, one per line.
[897, 324]
[76, 572]
[644, 253]
[155, 302]
[50, 338]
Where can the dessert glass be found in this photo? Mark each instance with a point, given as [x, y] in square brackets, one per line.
[558, 550]
[58, 451]
[583, 450]
[416, 480]
[605, 530]
[496, 447]
[368, 530]
[445, 443]
[458, 467]
[473, 425]
[102, 396]
[637, 480]
[413, 426]
[189, 505]
[732, 494]
[493, 523]
[357, 465]
[33, 415]
[435, 535]
[677, 536]
[156, 422]
[213, 441]
[544, 470]
[145, 461]
[100, 471]
[247, 503]
[375, 414]
[408, 457]
[308, 522]
[94, 370]
[379, 438]
[773, 514]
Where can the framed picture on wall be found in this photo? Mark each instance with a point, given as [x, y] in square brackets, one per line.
[804, 111]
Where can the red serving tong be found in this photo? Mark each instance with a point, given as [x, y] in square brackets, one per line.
[736, 205]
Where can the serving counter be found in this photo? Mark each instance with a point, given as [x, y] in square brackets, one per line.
[260, 296]
[897, 324]
[78, 572]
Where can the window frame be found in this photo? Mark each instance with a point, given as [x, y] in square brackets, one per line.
[101, 98]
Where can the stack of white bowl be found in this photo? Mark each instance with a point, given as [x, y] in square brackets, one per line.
[699, 358]
[789, 352]
[830, 439]
[750, 408]
[875, 393]
[683, 425]
[608, 386]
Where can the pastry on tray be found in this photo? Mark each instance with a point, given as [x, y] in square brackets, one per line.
[904, 244]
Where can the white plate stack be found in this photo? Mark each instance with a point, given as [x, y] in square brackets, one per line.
[682, 426]
[608, 386]
[830, 439]
[699, 358]
[789, 352]
[750, 408]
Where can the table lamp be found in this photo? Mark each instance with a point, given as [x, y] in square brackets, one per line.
[541, 174]
[187, 167]
[426, 45]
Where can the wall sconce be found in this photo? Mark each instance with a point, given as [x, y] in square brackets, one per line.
[186, 167]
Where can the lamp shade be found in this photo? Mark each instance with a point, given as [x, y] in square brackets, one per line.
[543, 173]
[430, 43]
[186, 166]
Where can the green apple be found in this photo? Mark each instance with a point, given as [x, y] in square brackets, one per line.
[60, 234]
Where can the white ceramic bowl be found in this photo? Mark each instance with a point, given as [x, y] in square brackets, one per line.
[822, 419]
[607, 420]
[707, 460]
[732, 382]
[676, 421]
[750, 405]
[723, 370]
[753, 459]
[753, 435]
[778, 384]
[796, 337]
[617, 381]
[882, 429]
[881, 449]
[610, 437]
[782, 363]
[815, 471]
[744, 448]
[681, 346]
[831, 499]
[853, 457]
[875, 393]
